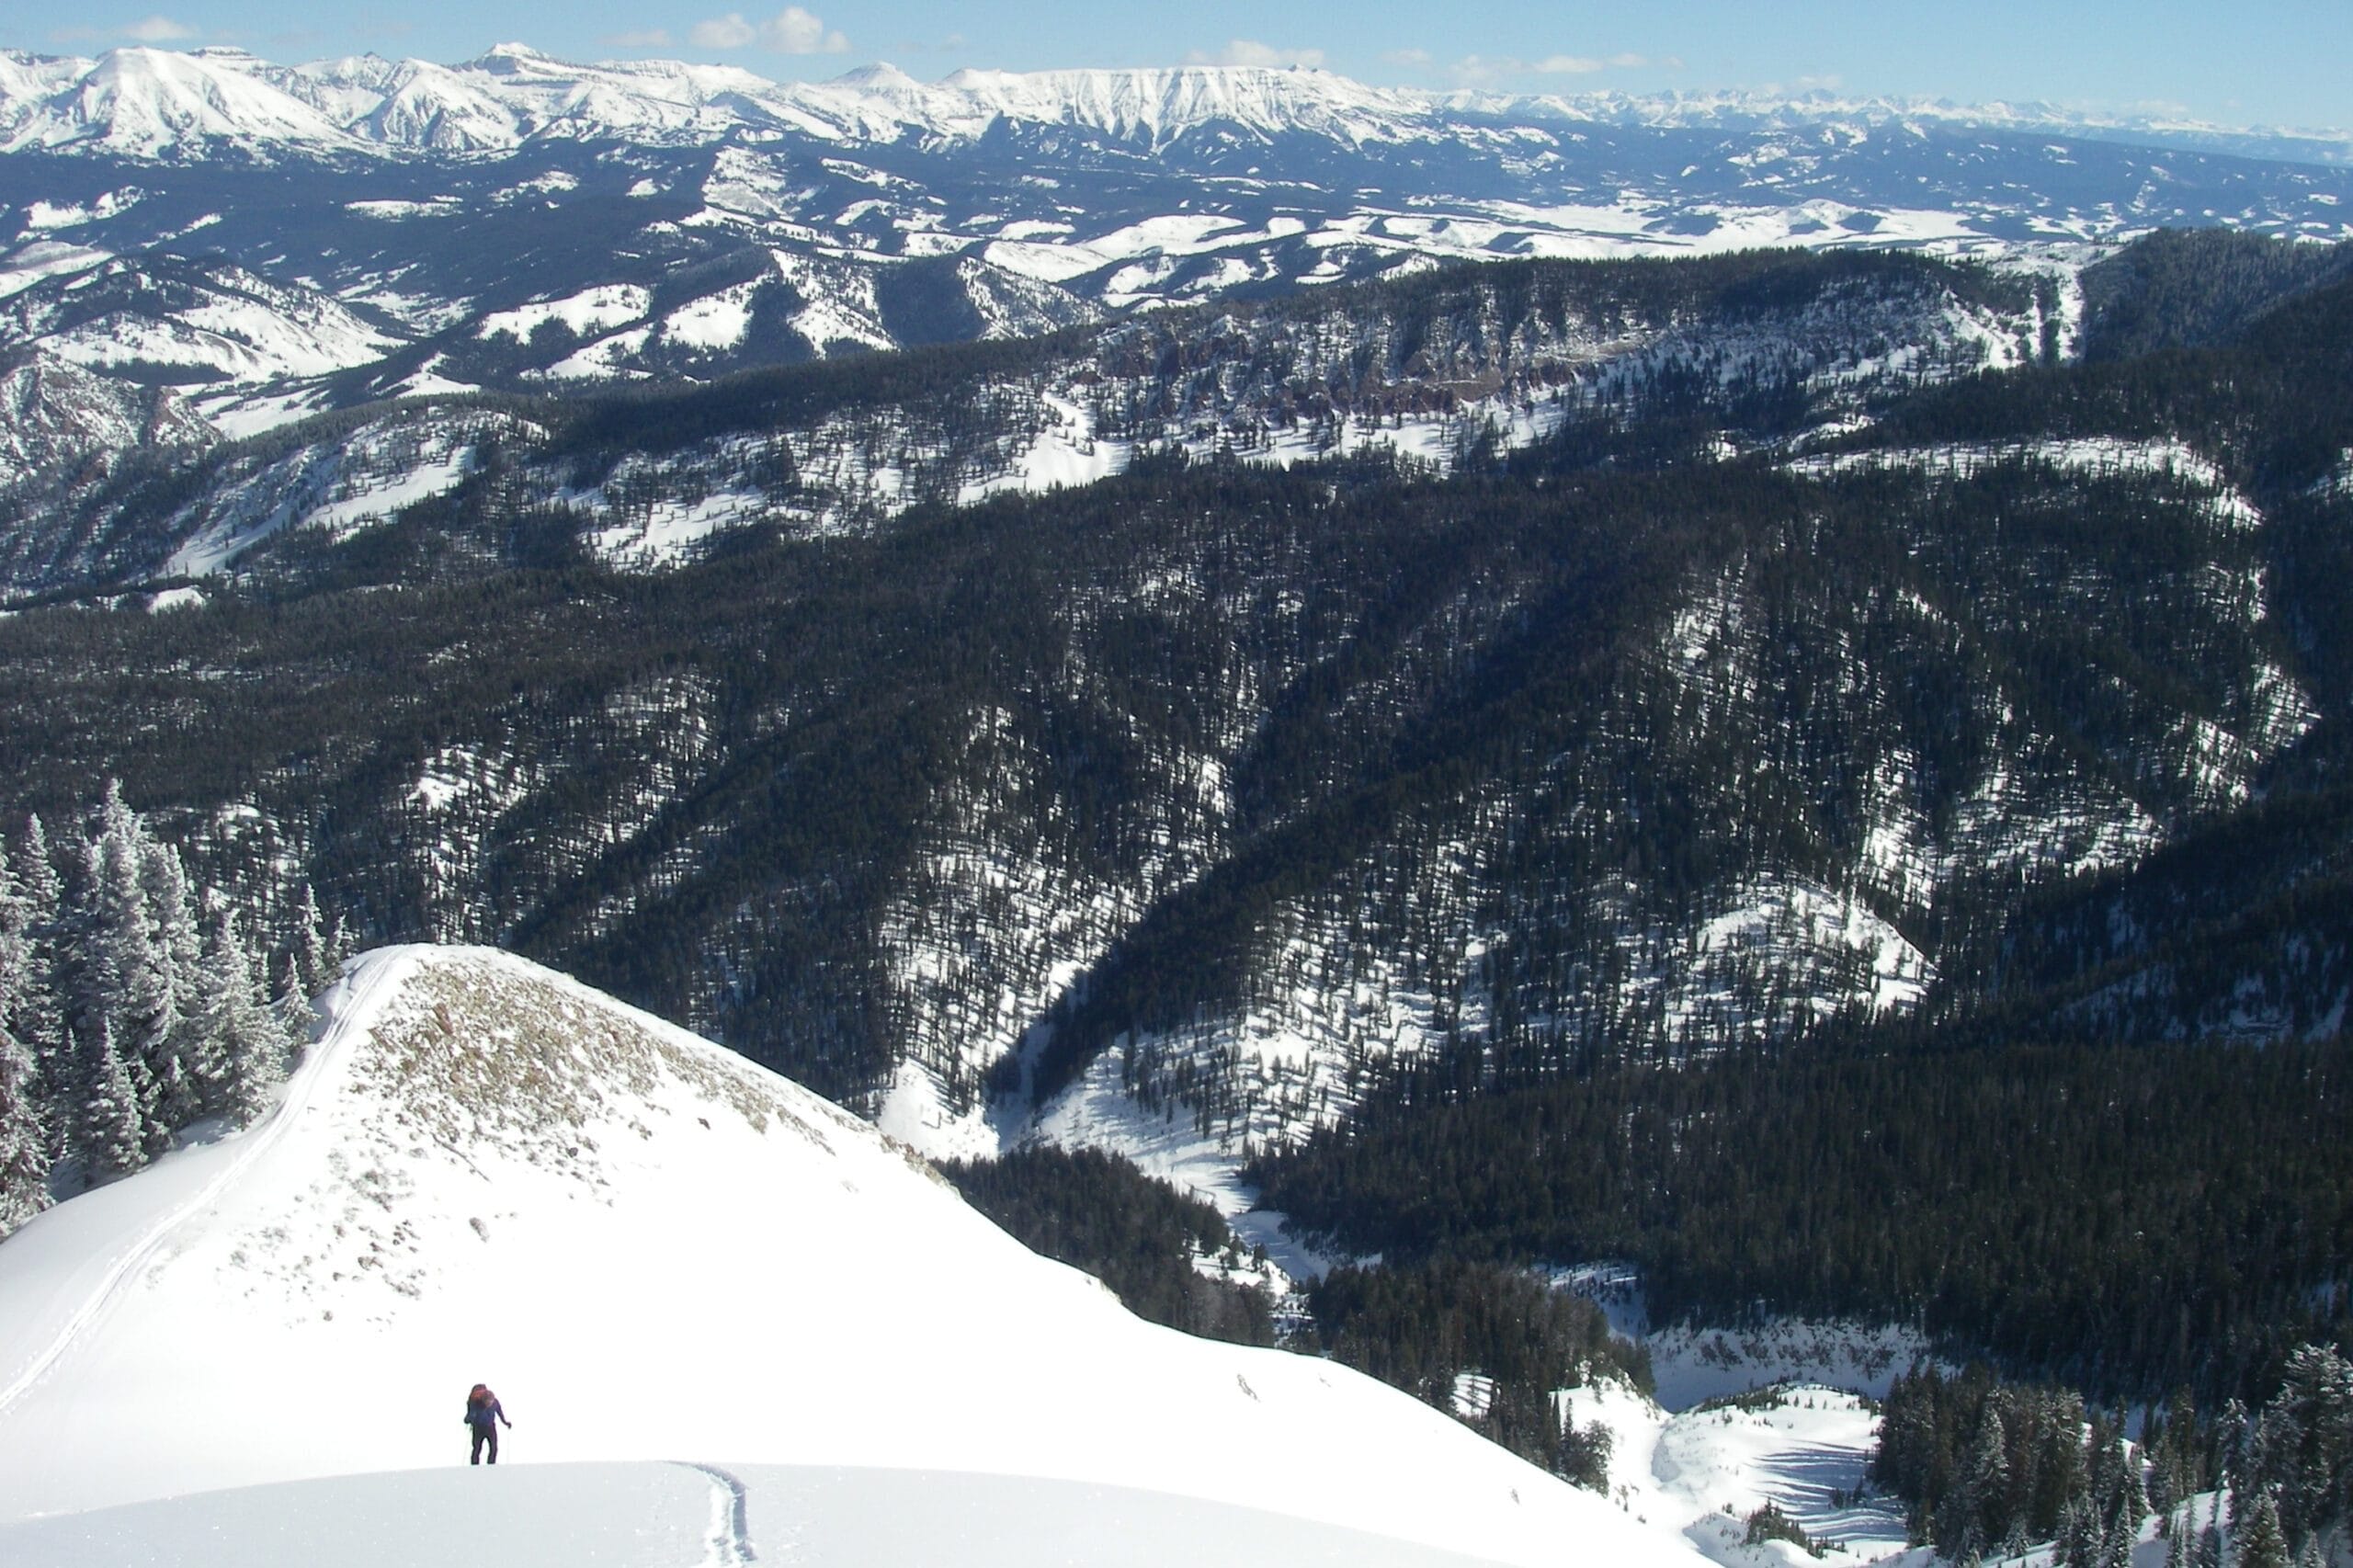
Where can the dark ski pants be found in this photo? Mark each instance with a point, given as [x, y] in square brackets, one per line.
[485, 1433]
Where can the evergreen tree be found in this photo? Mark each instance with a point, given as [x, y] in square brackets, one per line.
[177, 1044]
[2117, 1533]
[39, 1018]
[124, 1005]
[315, 944]
[2258, 1541]
[2303, 1448]
[1977, 1512]
[246, 1045]
[2206, 1551]
[24, 1139]
[112, 1137]
[296, 1016]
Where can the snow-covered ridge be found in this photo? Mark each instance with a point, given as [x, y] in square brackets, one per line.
[651, 1245]
[1738, 108]
[149, 102]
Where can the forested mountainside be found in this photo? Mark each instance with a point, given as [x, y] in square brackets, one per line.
[1842, 663]
[1766, 346]
[250, 243]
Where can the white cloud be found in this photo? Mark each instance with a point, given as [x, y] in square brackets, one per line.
[730, 31]
[1249, 51]
[147, 29]
[641, 37]
[1413, 57]
[158, 29]
[791, 31]
[1478, 70]
[1585, 64]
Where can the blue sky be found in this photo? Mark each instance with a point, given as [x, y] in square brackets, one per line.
[2267, 62]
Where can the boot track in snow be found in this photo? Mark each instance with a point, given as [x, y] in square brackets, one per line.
[730, 1545]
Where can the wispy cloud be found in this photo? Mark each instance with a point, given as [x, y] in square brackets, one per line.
[1414, 59]
[1250, 52]
[640, 37]
[147, 29]
[1479, 70]
[791, 31]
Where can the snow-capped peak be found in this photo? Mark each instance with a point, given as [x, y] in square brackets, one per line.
[500, 55]
[880, 77]
[153, 102]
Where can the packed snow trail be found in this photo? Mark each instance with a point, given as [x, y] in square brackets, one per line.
[239, 1153]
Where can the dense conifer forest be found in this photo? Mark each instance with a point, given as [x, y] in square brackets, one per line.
[1146, 1241]
[2127, 1217]
[1848, 832]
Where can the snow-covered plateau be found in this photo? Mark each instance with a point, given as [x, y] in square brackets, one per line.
[729, 1321]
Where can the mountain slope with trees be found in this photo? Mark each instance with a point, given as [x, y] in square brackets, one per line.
[1844, 711]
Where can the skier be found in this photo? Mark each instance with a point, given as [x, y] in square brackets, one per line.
[484, 1413]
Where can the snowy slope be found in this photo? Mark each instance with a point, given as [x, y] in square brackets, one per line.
[655, 1251]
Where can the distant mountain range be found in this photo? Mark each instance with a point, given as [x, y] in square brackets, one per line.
[276, 240]
[169, 104]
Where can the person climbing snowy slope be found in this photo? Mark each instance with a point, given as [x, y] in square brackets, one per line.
[484, 1413]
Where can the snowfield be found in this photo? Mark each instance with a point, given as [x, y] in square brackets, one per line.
[728, 1319]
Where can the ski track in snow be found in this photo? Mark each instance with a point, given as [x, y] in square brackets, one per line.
[730, 1545]
[149, 1243]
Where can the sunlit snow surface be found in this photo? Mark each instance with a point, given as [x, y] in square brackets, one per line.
[683, 1515]
[656, 1252]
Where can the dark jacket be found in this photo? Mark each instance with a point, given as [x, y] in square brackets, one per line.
[482, 1411]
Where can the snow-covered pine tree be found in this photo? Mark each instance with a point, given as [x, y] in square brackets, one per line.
[39, 1020]
[1975, 1512]
[2206, 1552]
[296, 1016]
[246, 1039]
[312, 944]
[2117, 1533]
[177, 1045]
[2077, 1542]
[24, 1138]
[2302, 1451]
[2117, 1501]
[2258, 1539]
[122, 998]
[113, 1138]
[1987, 1477]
